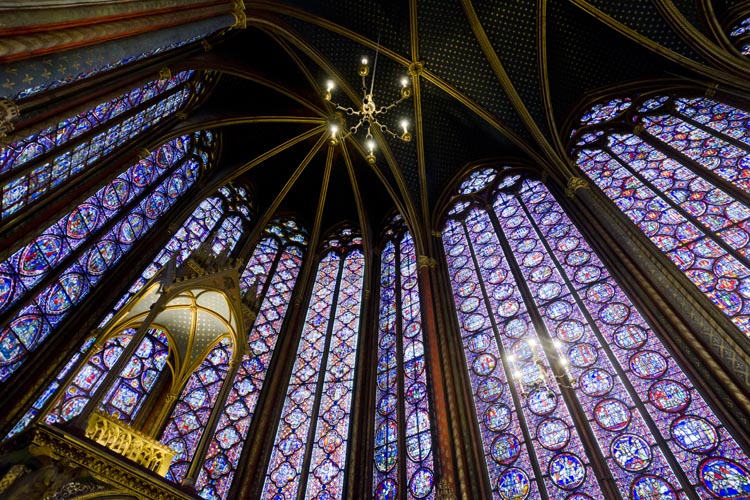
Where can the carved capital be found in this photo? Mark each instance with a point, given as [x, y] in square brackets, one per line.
[711, 90]
[165, 73]
[8, 113]
[425, 261]
[143, 153]
[639, 130]
[238, 11]
[574, 184]
[181, 116]
[206, 45]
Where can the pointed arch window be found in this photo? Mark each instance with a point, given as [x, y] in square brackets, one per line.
[32, 167]
[272, 270]
[681, 176]
[41, 282]
[403, 430]
[572, 388]
[317, 409]
[231, 202]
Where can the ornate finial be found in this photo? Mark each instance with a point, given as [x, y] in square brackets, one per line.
[445, 491]
[639, 129]
[425, 261]
[8, 113]
[415, 68]
[165, 73]
[574, 184]
[238, 11]
[143, 153]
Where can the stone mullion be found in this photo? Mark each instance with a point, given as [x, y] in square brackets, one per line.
[465, 437]
[402, 477]
[361, 415]
[517, 404]
[261, 435]
[605, 346]
[701, 337]
[318, 389]
[71, 258]
[37, 218]
[597, 462]
[94, 131]
[693, 220]
[29, 380]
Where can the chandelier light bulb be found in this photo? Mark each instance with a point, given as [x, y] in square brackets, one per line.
[510, 357]
[531, 342]
[371, 145]
[404, 125]
[364, 60]
[330, 85]
[334, 129]
[404, 81]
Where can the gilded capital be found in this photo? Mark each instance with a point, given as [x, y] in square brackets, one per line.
[574, 184]
[425, 261]
[165, 73]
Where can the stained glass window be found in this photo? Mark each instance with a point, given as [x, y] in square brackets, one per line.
[134, 382]
[740, 36]
[315, 418]
[193, 409]
[231, 205]
[401, 393]
[35, 165]
[272, 269]
[682, 179]
[41, 282]
[547, 335]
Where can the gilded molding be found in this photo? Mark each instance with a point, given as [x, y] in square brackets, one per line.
[238, 11]
[10, 477]
[445, 491]
[574, 184]
[131, 444]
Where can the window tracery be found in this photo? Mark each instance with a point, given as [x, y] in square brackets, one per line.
[680, 177]
[34, 166]
[402, 409]
[558, 357]
[272, 270]
[317, 407]
[41, 282]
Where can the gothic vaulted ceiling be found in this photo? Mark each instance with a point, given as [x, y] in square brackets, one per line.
[491, 80]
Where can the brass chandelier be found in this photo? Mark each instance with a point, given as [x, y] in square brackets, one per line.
[369, 114]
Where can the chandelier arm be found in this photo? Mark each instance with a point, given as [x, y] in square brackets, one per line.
[384, 109]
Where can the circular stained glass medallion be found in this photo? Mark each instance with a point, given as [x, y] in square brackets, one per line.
[669, 396]
[420, 483]
[587, 274]
[505, 449]
[694, 434]
[614, 314]
[612, 414]
[513, 484]
[416, 392]
[648, 364]
[630, 337]
[582, 355]
[631, 452]
[484, 364]
[595, 382]
[570, 330]
[387, 403]
[386, 490]
[725, 478]
[515, 328]
[474, 322]
[651, 488]
[542, 402]
[479, 342]
[490, 389]
[553, 434]
[497, 417]
[567, 471]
